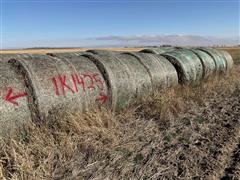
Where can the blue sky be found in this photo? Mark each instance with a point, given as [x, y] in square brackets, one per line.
[118, 23]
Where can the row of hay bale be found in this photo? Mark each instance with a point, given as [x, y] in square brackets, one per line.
[194, 64]
[36, 87]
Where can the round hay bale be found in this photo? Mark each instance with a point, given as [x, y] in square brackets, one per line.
[161, 71]
[228, 58]
[158, 50]
[97, 87]
[14, 109]
[220, 61]
[127, 78]
[61, 84]
[187, 64]
[208, 62]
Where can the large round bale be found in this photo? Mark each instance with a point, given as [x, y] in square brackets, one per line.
[228, 58]
[14, 109]
[208, 63]
[127, 78]
[187, 64]
[61, 85]
[161, 71]
[220, 61]
[158, 50]
[95, 86]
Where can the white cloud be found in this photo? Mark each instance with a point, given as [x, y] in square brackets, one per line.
[122, 41]
[184, 40]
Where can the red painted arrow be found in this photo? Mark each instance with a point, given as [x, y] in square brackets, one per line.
[11, 98]
[102, 98]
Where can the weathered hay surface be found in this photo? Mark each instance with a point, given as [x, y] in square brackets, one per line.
[158, 50]
[95, 85]
[187, 64]
[208, 62]
[126, 77]
[161, 71]
[102, 52]
[7, 57]
[220, 61]
[14, 109]
[61, 84]
[65, 55]
[228, 58]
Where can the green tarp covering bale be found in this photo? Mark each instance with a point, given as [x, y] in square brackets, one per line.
[14, 109]
[220, 61]
[61, 84]
[158, 50]
[228, 58]
[127, 78]
[208, 63]
[161, 71]
[187, 64]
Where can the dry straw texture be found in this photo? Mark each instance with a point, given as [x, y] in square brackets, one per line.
[14, 113]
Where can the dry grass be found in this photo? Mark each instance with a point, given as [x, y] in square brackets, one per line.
[184, 132]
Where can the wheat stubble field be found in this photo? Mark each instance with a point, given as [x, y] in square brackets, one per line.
[183, 133]
[61, 50]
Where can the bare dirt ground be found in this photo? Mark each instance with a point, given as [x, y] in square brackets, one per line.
[182, 133]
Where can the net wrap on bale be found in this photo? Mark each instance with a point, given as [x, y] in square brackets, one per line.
[102, 52]
[228, 58]
[61, 84]
[7, 57]
[220, 61]
[158, 50]
[161, 71]
[14, 107]
[187, 64]
[126, 77]
[208, 63]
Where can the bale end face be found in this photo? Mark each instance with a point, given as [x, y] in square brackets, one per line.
[14, 105]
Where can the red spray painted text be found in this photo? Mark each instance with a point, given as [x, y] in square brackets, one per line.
[85, 82]
[8, 96]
